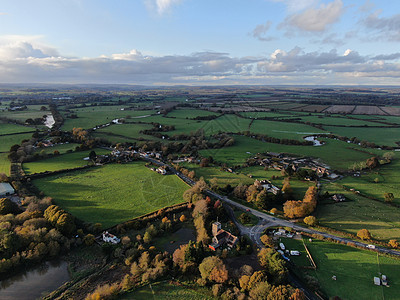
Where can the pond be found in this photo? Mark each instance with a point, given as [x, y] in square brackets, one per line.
[313, 139]
[36, 282]
[49, 121]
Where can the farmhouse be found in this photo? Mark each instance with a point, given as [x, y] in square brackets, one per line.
[221, 237]
[6, 189]
[110, 238]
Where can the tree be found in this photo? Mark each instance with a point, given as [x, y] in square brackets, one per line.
[267, 241]
[311, 220]
[389, 197]
[3, 177]
[182, 218]
[372, 162]
[7, 206]
[364, 234]
[212, 268]
[388, 156]
[89, 239]
[147, 237]
[244, 218]
[204, 162]
[272, 261]
[394, 244]
[92, 155]
[260, 291]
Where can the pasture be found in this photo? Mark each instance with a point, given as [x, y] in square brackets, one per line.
[6, 128]
[33, 112]
[190, 113]
[380, 136]
[354, 270]
[165, 290]
[6, 141]
[113, 193]
[89, 117]
[4, 164]
[337, 154]
[60, 148]
[357, 213]
[131, 131]
[60, 162]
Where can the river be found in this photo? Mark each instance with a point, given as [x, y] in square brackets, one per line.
[36, 282]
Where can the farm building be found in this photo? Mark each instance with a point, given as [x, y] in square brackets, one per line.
[110, 238]
[221, 237]
[6, 189]
[338, 197]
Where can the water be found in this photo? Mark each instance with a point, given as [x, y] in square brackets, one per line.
[314, 140]
[49, 121]
[36, 282]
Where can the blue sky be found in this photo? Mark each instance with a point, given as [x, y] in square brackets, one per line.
[199, 42]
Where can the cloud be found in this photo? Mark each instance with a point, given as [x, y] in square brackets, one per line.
[260, 32]
[161, 6]
[297, 5]
[384, 28]
[315, 19]
[2, 13]
[22, 61]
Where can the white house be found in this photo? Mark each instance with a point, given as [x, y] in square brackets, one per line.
[110, 238]
[6, 189]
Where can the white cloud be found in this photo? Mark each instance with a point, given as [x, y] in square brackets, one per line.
[26, 61]
[383, 28]
[162, 6]
[260, 32]
[297, 5]
[315, 19]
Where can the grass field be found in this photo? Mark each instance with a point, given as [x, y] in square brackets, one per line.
[32, 112]
[60, 162]
[358, 213]
[6, 128]
[60, 148]
[164, 290]
[283, 130]
[113, 193]
[337, 120]
[388, 177]
[190, 113]
[89, 117]
[4, 164]
[7, 141]
[380, 136]
[337, 154]
[355, 270]
[127, 130]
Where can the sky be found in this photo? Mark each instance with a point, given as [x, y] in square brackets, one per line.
[200, 42]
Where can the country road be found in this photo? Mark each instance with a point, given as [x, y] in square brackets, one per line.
[269, 220]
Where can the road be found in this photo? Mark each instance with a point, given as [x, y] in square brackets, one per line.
[267, 220]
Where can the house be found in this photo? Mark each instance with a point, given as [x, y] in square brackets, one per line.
[339, 198]
[274, 154]
[110, 238]
[161, 171]
[384, 280]
[377, 281]
[6, 189]
[222, 237]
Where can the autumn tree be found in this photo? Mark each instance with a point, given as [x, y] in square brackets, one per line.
[267, 241]
[7, 206]
[394, 244]
[273, 263]
[389, 197]
[212, 268]
[364, 234]
[372, 162]
[311, 220]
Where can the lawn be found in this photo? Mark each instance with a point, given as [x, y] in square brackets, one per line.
[388, 177]
[4, 164]
[355, 270]
[6, 128]
[337, 154]
[88, 117]
[7, 141]
[380, 136]
[165, 290]
[60, 162]
[297, 244]
[283, 130]
[113, 193]
[358, 213]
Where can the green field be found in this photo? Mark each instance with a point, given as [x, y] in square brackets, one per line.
[337, 120]
[358, 213]
[7, 141]
[6, 128]
[4, 164]
[164, 290]
[113, 193]
[355, 270]
[380, 136]
[190, 113]
[131, 131]
[60, 162]
[264, 114]
[283, 130]
[337, 154]
[89, 117]
[388, 177]
[32, 112]
[60, 148]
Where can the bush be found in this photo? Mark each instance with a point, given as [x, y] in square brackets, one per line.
[311, 220]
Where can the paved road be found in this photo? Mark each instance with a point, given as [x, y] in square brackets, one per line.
[270, 220]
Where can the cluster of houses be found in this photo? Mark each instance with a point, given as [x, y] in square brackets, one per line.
[160, 170]
[280, 161]
[222, 238]
[110, 238]
[268, 186]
